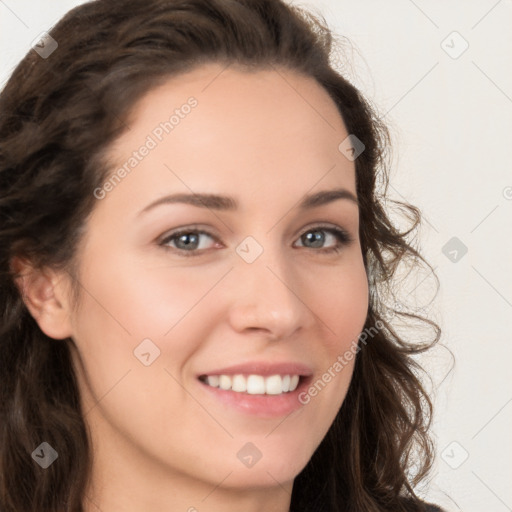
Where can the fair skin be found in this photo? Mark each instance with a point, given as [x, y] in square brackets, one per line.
[163, 439]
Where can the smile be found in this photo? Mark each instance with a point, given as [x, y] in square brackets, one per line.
[253, 384]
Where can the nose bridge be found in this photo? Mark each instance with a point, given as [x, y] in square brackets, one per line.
[268, 289]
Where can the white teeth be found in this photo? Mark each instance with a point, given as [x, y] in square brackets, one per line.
[239, 384]
[294, 381]
[255, 384]
[224, 382]
[274, 385]
[213, 380]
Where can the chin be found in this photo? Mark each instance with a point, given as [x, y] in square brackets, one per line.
[271, 470]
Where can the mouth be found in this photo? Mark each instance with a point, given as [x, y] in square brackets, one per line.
[261, 396]
[259, 389]
[254, 384]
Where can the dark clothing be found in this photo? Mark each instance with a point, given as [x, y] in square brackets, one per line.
[429, 507]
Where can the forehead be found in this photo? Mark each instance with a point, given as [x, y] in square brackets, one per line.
[259, 131]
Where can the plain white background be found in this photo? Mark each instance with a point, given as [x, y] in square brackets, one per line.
[449, 109]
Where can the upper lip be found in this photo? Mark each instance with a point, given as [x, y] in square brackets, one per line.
[263, 368]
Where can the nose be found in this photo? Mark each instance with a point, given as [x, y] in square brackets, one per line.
[268, 297]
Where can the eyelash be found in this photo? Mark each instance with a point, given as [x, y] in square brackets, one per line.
[342, 236]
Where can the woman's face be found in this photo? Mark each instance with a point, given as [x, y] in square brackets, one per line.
[179, 296]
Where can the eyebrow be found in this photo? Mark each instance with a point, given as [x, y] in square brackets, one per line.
[217, 202]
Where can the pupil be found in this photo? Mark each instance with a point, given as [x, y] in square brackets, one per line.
[186, 236]
[318, 237]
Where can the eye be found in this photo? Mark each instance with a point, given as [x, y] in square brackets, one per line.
[315, 237]
[188, 240]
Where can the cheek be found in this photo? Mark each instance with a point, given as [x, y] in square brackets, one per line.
[128, 312]
[123, 306]
[142, 301]
[343, 309]
[342, 305]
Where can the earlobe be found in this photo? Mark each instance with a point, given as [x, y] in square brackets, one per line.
[44, 295]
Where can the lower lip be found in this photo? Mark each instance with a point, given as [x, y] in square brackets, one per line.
[265, 406]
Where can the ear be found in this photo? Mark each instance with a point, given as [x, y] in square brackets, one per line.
[44, 293]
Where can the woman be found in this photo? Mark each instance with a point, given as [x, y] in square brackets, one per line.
[170, 338]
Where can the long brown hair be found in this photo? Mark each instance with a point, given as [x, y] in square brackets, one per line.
[59, 114]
